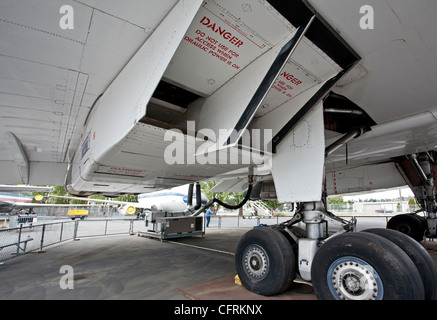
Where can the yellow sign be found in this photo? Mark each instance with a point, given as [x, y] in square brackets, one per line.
[130, 210]
[38, 197]
[77, 212]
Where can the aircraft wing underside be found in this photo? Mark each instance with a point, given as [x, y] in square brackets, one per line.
[139, 96]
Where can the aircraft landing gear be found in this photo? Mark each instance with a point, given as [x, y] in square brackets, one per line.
[364, 266]
[410, 224]
[265, 261]
[375, 264]
[420, 172]
[418, 254]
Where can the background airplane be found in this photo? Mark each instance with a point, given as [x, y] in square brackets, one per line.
[18, 197]
[174, 200]
[11, 201]
[22, 203]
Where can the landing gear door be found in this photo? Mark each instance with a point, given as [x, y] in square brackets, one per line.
[298, 165]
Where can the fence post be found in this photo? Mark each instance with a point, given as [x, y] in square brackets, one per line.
[42, 237]
[76, 226]
[19, 239]
[131, 227]
[62, 229]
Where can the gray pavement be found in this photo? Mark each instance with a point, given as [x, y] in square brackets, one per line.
[126, 267]
[117, 267]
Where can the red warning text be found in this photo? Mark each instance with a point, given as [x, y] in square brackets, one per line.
[221, 31]
[291, 78]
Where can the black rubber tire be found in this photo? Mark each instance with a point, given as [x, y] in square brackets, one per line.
[408, 224]
[394, 275]
[424, 225]
[278, 261]
[420, 257]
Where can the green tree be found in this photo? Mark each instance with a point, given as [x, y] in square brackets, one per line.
[59, 191]
[274, 204]
[336, 200]
[412, 204]
[231, 198]
[127, 198]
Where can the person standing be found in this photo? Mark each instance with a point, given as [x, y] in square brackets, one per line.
[208, 217]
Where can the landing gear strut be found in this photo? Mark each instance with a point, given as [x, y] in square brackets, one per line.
[374, 264]
[420, 172]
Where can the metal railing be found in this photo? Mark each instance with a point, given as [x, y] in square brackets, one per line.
[34, 238]
[25, 239]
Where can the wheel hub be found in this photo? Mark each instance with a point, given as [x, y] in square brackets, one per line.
[256, 262]
[404, 228]
[350, 278]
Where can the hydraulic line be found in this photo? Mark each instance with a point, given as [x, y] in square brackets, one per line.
[198, 197]
[343, 140]
[227, 206]
[190, 195]
[238, 206]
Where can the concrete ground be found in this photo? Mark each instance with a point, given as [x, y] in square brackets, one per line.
[117, 267]
[134, 268]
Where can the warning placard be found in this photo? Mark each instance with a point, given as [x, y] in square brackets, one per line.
[291, 81]
[286, 83]
[217, 40]
[121, 171]
[216, 47]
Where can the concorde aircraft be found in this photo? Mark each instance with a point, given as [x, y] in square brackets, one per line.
[291, 100]
[15, 197]
[172, 200]
[16, 200]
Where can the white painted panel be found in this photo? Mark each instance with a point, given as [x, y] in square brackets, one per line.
[306, 68]
[365, 178]
[44, 16]
[224, 108]
[298, 165]
[29, 44]
[277, 118]
[71, 129]
[110, 45]
[124, 102]
[234, 185]
[20, 157]
[146, 14]
[9, 173]
[224, 38]
[396, 138]
[291, 81]
[398, 54]
[47, 173]
[141, 164]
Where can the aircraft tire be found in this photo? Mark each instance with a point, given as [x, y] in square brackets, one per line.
[409, 224]
[418, 254]
[265, 261]
[364, 266]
